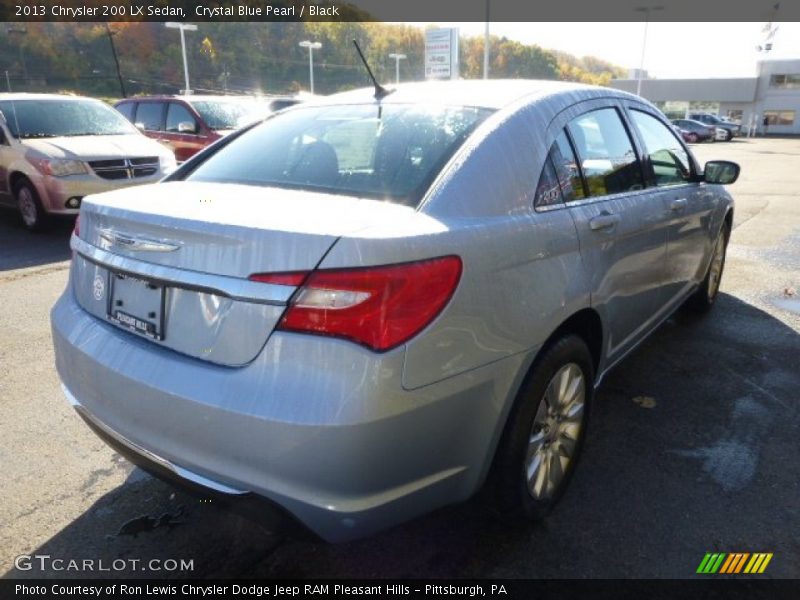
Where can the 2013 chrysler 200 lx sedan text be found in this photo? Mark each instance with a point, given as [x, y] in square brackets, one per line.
[361, 308]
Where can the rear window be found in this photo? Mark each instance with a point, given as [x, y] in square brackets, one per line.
[391, 152]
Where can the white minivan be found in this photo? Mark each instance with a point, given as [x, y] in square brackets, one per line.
[56, 149]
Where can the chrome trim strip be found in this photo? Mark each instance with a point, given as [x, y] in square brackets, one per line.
[138, 244]
[178, 471]
[223, 285]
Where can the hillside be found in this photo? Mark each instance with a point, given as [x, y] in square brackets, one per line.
[246, 57]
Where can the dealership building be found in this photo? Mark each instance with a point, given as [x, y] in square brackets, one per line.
[774, 94]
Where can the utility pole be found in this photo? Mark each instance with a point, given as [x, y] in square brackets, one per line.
[20, 31]
[116, 59]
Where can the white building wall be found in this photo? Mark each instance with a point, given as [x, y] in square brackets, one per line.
[770, 97]
[752, 95]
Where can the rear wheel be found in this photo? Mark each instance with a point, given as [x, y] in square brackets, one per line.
[545, 432]
[692, 138]
[29, 205]
[705, 296]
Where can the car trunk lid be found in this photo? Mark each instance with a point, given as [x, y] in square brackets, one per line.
[171, 262]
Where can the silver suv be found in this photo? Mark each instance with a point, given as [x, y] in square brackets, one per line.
[54, 150]
[363, 307]
[730, 130]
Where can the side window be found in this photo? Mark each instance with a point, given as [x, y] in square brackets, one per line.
[668, 159]
[560, 180]
[569, 175]
[126, 108]
[548, 192]
[150, 115]
[177, 114]
[607, 157]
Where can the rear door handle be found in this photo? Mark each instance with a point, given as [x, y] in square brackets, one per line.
[677, 204]
[603, 221]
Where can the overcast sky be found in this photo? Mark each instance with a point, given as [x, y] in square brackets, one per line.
[674, 50]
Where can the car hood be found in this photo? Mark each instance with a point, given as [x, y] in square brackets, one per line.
[90, 147]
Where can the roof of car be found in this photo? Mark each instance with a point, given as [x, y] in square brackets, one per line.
[493, 93]
[26, 96]
[203, 98]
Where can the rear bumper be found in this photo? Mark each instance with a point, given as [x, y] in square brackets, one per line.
[241, 501]
[323, 430]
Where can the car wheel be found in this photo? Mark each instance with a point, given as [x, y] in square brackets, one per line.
[545, 431]
[705, 296]
[692, 138]
[29, 205]
[728, 136]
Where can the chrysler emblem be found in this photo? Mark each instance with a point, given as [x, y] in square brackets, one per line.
[98, 288]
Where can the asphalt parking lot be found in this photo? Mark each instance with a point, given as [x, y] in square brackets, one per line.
[692, 448]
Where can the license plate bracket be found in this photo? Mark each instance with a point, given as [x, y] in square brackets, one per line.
[136, 304]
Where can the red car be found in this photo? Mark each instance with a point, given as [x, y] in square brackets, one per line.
[187, 124]
[694, 131]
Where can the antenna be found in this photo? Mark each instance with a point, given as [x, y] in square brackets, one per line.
[380, 91]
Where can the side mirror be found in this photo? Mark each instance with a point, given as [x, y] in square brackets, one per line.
[187, 127]
[723, 172]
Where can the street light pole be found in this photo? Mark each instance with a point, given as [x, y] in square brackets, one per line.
[311, 47]
[646, 10]
[486, 45]
[397, 58]
[183, 27]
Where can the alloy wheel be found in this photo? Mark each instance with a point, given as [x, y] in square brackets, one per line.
[27, 207]
[553, 441]
[715, 270]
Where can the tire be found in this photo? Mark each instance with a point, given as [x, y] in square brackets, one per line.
[541, 443]
[692, 138]
[702, 300]
[30, 207]
[729, 136]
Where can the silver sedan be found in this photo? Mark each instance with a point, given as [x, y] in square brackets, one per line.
[363, 308]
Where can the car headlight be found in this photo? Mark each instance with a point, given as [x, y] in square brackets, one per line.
[60, 167]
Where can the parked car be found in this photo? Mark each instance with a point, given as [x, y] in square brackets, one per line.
[187, 124]
[686, 136]
[361, 309]
[731, 129]
[695, 130]
[55, 149]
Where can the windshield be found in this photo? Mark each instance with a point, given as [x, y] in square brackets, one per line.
[56, 118]
[230, 114]
[391, 152]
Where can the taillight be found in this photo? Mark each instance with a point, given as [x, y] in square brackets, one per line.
[379, 307]
[294, 278]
